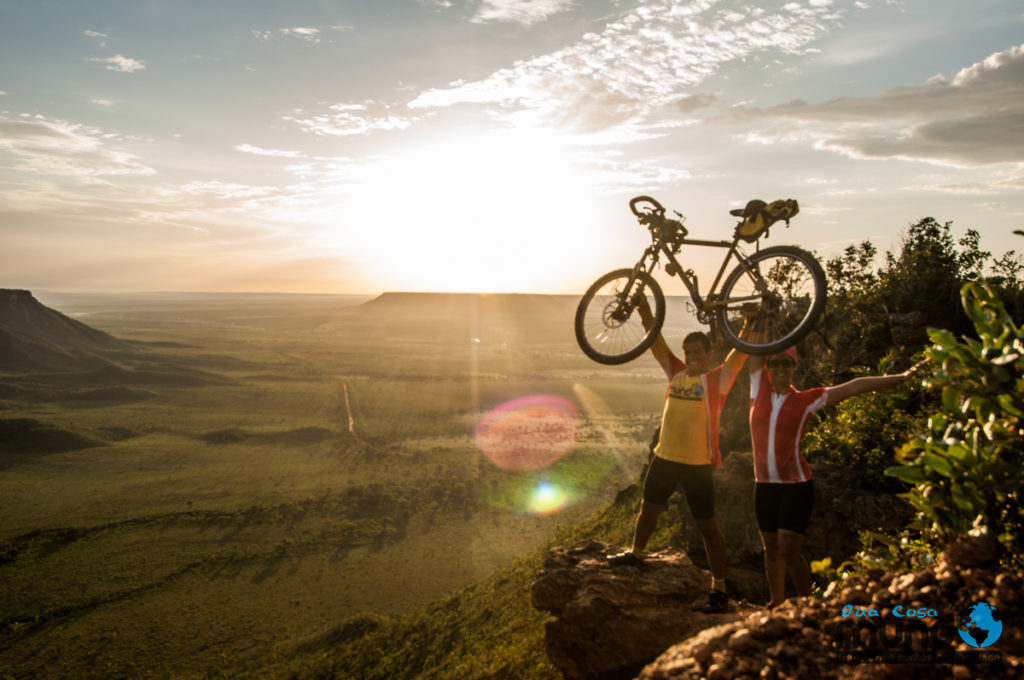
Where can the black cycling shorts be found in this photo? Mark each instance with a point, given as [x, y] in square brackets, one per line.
[664, 476]
[783, 506]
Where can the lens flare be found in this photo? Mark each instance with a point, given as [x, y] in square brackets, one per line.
[547, 499]
[529, 494]
[596, 410]
[528, 433]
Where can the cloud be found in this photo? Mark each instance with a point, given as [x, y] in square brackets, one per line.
[120, 63]
[101, 37]
[696, 102]
[248, 148]
[974, 118]
[652, 56]
[56, 147]
[351, 119]
[309, 35]
[227, 190]
[525, 12]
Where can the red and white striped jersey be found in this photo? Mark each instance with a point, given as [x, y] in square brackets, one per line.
[777, 424]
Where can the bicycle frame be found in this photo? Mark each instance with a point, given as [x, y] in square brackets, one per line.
[703, 304]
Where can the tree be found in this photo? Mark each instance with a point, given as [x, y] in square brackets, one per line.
[871, 312]
[965, 468]
[879, 319]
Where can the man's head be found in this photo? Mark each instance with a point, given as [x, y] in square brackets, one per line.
[781, 367]
[697, 352]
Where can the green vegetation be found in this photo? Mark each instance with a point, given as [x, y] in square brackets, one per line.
[871, 311]
[876, 321]
[488, 630]
[862, 433]
[223, 520]
[965, 471]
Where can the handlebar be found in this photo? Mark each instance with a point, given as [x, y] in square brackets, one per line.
[653, 216]
[658, 208]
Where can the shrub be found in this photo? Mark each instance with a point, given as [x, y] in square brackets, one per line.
[863, 433]
[965, 470]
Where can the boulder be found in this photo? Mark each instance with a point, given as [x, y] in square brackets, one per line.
[610, 621]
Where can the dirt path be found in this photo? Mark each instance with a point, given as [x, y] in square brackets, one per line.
[348, 412]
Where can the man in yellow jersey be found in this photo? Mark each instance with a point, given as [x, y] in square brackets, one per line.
[687, 448]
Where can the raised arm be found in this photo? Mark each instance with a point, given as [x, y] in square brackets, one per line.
[751, 333]
[838, 393]
[660, 348]
[735, 359]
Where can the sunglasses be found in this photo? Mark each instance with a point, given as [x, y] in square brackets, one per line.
[775, 363]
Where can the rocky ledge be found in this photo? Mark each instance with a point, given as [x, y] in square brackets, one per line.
[609, 622]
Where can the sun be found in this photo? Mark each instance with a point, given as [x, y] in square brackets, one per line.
[499, 212]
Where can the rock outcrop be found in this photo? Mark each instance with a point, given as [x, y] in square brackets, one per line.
[610, 621]
[811, 638]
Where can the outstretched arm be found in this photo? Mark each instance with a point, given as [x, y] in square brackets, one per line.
[838, 393]
[660, 348]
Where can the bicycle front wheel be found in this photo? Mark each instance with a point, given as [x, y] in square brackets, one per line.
[608, 327]
[789, 285]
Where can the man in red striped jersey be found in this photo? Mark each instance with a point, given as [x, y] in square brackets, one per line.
[784, 490]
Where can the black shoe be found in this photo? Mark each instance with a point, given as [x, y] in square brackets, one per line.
[716, 604]
[629, 558]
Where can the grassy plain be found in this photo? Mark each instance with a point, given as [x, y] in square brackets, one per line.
[263, 469]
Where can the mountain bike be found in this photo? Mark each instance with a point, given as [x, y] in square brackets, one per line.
[785, 282]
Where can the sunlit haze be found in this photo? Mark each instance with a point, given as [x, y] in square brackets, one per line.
[485, 145]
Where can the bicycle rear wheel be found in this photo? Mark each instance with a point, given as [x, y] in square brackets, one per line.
[608, 327]
[789, 285]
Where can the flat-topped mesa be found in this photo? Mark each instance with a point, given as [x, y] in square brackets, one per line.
[22, 313]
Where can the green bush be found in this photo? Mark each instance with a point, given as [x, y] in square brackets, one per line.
[966, 470]
[863, 433]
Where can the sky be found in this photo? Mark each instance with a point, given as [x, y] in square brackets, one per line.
[342, 146]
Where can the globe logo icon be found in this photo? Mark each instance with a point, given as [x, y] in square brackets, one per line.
[979, 625]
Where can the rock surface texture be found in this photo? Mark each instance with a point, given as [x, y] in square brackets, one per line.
[610, 621]
[608, 618]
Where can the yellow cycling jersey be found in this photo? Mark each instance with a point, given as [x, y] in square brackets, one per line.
[684, 422]
[693, 407]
